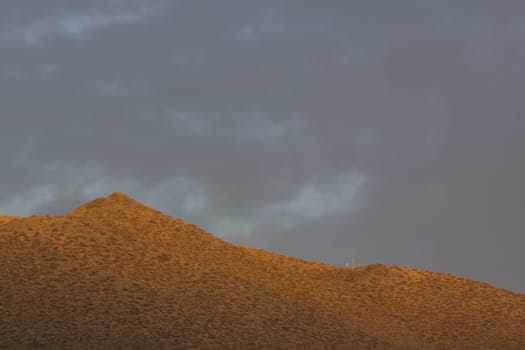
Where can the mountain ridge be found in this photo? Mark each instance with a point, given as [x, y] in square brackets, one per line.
[6, 218]
[116, 273]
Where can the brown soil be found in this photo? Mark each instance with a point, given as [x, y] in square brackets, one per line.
[115, 274]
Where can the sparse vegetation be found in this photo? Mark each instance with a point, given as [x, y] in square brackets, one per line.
[115, 274]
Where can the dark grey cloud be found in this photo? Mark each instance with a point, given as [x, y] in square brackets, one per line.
[391, 132]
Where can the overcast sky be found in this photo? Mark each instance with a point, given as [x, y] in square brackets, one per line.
[391, 131]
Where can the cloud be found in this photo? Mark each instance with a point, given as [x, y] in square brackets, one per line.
[74, 24]
[316, 200]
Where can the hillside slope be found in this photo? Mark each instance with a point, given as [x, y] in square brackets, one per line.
[5, 219]
[115, 274]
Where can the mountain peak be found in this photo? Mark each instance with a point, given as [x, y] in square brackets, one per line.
[121, 197]
[115, 202]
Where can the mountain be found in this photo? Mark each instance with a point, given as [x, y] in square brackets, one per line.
[115, 274]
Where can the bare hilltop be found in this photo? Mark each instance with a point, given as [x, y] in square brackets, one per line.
[115, 274]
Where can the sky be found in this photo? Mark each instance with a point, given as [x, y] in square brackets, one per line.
[387, 131]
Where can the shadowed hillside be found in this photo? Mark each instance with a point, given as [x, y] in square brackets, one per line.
[115, 274]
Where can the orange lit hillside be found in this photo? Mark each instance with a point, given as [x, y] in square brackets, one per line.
[6, 219]
[115, 274]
